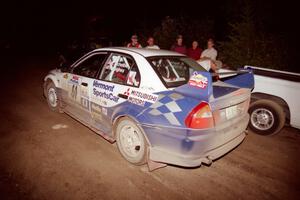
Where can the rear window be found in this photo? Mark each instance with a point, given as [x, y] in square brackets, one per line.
[174, 71]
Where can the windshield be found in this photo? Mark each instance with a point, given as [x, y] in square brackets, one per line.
[174, 71]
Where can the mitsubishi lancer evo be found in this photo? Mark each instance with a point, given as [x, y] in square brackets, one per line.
[158, 106]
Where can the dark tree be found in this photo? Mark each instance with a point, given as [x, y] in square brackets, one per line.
[190, 28]
[248, 45]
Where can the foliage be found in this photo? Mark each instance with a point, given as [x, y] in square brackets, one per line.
[248, 41]
[191, 29]
[166, 33]
[246, 45]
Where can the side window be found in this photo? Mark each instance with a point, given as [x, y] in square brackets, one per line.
[90, 66]
[173, 70]
[122, 70]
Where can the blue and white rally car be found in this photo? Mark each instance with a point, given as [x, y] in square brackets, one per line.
[159, 106]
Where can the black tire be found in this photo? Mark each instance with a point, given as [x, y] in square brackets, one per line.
[129, 130]
[52, 97]
[266, 117]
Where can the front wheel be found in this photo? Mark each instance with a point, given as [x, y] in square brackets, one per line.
[266, 117]
[52, 97]
[131, 141]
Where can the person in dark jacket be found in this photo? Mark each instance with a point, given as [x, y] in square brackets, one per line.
[195, 51]
[178, 46]
[134, 42]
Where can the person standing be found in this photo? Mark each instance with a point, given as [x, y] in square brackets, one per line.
[134, 42]
[178, 46]
[151, 44]
[210, 53]
[208, 57]
[195, 51]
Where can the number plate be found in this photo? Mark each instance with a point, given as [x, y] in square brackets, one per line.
[231, 112]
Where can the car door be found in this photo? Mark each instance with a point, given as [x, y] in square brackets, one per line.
[118, 75]
[78, 86]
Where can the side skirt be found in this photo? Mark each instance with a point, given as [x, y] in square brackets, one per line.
[105, 136]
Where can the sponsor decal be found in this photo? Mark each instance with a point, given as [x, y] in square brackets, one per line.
[73, 85]
[127, 93]
[104, 111]
[131, 78]
[103, 102]
[74, 92]
[84, 92]
[104, 91]
[75, 80]
[95, 108]
[85, 103]
[96, 111]
[65, 76]
[140, 98]
[198, 80]
[103, 86]
[136, 101]
[151, 98]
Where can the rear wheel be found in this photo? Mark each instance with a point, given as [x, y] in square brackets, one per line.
[266, 117]
[52, 97]
[131, 141]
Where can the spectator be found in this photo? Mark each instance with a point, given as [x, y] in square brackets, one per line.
[209, 56]
[194, 52]
[214, 70]
[134, 42]
[178, 46]
[210, 53]
[151, 44]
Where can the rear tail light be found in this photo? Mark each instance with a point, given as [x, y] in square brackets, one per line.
[200, 117]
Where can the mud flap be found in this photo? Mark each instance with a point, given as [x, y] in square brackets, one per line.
[152, 165]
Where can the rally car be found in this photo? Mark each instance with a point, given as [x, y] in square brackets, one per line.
[159, 106]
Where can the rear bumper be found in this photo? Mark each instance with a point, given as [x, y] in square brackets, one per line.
[198, 146]
[190, 161]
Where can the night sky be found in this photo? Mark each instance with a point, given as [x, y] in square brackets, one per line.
[48, 25]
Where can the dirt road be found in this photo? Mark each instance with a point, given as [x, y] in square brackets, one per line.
[45, 155]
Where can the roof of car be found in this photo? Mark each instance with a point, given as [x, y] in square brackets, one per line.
[142, 51]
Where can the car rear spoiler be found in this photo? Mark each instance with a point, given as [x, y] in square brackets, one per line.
[200, 84]
[242, 78]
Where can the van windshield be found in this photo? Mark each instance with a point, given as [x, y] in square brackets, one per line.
[174, 71]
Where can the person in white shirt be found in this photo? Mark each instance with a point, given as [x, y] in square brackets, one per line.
[151, 44]
[209, 53]
[208, 58]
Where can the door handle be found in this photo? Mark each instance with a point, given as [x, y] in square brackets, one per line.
[84, 84]
[123, 96]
